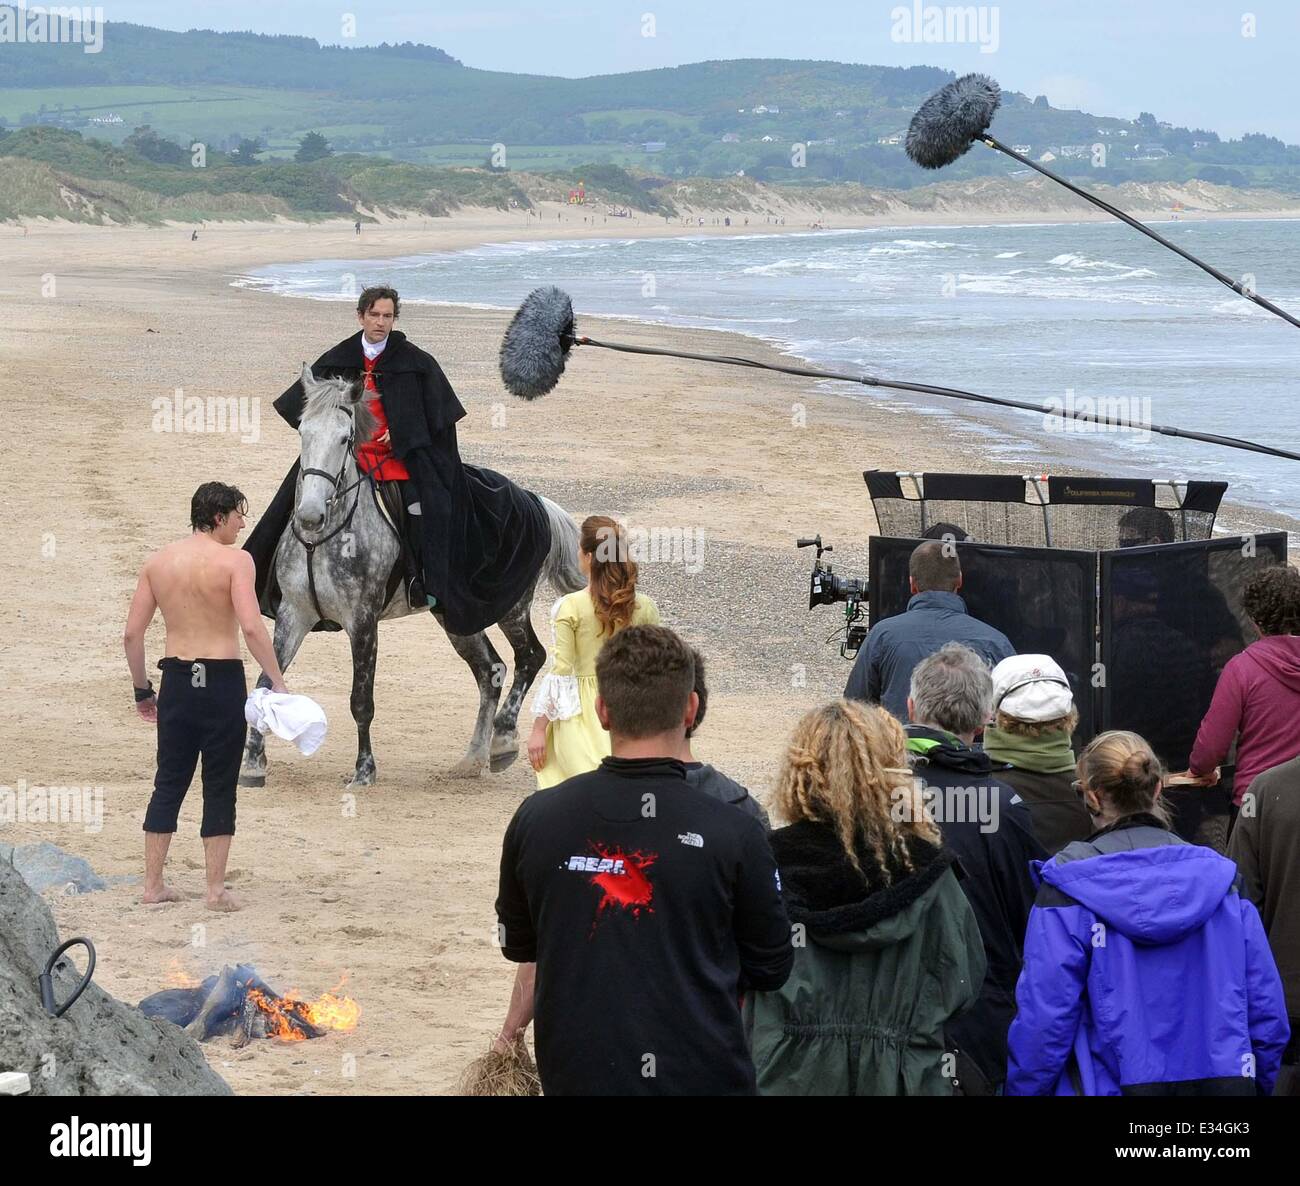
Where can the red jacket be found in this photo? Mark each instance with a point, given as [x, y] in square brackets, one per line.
[375, 456]
[1257, 699]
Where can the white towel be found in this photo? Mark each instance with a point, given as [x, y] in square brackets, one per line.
[295, 718]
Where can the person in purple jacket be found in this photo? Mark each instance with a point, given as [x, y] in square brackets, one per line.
[1257, 698]
[1146, 971]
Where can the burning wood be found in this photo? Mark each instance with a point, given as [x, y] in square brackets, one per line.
[238, 1003]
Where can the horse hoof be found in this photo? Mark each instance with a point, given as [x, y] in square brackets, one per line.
[467, 768]
[252, 778]
[358, 779]
[504, 761]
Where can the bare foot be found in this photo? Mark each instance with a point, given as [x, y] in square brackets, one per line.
[225, 902]
[165, 894]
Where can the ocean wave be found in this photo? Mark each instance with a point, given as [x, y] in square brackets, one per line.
[1008, 254]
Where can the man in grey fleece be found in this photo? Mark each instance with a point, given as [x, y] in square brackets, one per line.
[704, 777]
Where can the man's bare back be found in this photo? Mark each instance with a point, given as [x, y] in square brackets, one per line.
[204, 586]
[192, 581]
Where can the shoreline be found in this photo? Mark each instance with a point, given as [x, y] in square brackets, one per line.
[1234, 516]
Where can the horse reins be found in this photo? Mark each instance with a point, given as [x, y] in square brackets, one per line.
[337, 481]
[340, 491]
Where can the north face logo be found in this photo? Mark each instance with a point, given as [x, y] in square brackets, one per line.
[693, 839]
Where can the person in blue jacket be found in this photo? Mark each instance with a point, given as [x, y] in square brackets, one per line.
[1146, 971]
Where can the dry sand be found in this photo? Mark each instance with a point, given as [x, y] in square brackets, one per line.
[97, 324]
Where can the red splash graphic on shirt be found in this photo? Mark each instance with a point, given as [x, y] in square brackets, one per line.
[630, 890]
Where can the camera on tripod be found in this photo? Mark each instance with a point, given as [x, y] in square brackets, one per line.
[826, 588]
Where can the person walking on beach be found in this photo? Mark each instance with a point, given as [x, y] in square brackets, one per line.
[646, 907]
[892, 950]
[567, 736]
[1147, 970]
[204, 587]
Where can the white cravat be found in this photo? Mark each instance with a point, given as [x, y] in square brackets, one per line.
[372, 351]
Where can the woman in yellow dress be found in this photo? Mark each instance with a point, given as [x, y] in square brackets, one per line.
[567, 737]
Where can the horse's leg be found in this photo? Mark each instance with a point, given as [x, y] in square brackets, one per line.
[290, 630]
[364, 637]
[530, 655]
[489, 673]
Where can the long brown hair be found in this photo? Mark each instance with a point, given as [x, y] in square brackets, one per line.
[613, 575]
[846, 766]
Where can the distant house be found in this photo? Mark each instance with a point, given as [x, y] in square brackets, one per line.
[1074, 150]
[1023, 149]
[1153, 152]
[654, 146]
[1103, 131]
[740, 111]
[1201, 143]
[111, 118]
[760, 110]
[774, 110]
[769, 139]
[841, 115]
[1049, 155]
[1123, 131]
[731, 138]
[896, 138]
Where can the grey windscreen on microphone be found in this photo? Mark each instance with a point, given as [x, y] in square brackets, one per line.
[951, 119]
[537, 343]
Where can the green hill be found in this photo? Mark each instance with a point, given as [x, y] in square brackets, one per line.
[417, 104]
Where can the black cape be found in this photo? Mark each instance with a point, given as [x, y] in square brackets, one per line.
[484, 538]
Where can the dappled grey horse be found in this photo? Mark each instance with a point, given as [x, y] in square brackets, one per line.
[334, 562]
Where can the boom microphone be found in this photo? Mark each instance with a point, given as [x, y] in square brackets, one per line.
[536, 345]
[955, 116]
[543, 331]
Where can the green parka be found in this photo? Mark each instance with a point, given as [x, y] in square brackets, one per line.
[881, 964]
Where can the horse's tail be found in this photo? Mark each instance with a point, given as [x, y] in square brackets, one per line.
[561, 567]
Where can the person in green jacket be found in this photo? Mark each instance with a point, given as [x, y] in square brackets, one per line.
[887, 948]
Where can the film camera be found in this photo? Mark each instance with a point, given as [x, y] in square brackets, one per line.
[826, 588]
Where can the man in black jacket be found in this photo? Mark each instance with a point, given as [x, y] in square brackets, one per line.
[648, 907]
[988, 826]
[482, 539]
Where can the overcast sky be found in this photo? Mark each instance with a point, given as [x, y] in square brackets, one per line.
[1230, 67]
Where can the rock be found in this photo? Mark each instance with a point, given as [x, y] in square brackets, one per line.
[98, 1047]
[46, 866]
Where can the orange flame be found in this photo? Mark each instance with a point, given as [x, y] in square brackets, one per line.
[327, 1012]
[178, 977]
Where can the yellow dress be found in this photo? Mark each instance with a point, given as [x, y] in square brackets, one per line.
[575, 741]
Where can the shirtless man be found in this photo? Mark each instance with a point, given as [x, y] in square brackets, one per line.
[204, 587]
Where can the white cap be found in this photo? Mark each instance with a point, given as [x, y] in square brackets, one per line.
[1031, 688]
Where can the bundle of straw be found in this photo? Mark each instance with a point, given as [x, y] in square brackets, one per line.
[497, 1073]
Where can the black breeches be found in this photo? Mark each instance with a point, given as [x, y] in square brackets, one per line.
[200, 714]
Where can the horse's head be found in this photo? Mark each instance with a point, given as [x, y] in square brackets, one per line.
[335, 419]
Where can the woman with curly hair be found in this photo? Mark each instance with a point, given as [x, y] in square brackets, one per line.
[567, 737]
[887, 949]
[1257, 698]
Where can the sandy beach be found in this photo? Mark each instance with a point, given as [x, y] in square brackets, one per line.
[101, 323]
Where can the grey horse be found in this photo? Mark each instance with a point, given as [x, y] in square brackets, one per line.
[354, 549]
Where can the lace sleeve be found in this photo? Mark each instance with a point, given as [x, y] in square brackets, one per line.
[557, 696]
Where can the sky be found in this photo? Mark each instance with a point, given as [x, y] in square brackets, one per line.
[1227, 67]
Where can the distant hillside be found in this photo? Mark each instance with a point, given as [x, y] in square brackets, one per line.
[418, 104]
[55, 173]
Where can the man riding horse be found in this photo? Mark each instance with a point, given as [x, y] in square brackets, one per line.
[479, 538]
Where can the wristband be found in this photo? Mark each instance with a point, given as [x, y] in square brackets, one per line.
[145, 693]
